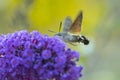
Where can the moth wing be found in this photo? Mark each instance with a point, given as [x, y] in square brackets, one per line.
[75, 28]
[67, 24]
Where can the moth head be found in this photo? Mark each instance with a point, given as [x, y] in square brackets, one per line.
[58, 34]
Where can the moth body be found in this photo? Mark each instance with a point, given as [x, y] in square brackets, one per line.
[71, 31]
[73, 38]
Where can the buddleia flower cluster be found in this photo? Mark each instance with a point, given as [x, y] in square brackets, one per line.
[33, 56]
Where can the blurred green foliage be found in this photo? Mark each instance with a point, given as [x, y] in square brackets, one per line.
[100, 24]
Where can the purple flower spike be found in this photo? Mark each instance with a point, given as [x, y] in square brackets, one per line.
[32, 56]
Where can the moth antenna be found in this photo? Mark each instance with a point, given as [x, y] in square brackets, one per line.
[51, 31]
[60, 26]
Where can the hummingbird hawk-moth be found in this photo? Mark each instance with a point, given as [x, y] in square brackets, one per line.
[71, 30]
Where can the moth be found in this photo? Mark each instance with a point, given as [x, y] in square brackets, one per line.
[71, 31]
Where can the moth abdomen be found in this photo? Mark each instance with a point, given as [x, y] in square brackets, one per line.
[84, 40]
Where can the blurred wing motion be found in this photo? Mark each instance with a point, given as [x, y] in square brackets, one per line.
[67, 24]
[75, 28]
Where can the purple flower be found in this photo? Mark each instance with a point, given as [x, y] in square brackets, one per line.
[46, 54]
[32, 56]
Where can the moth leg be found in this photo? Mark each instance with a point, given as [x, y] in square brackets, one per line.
[72, 44]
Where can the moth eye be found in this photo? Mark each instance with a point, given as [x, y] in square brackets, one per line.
[58, 34]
